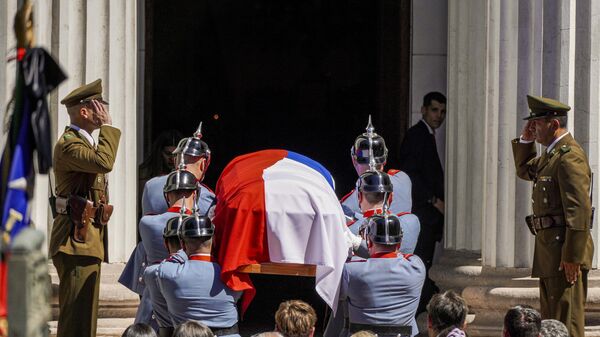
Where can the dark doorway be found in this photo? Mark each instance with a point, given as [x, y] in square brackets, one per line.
[296, 75]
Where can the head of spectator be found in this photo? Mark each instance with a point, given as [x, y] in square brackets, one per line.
[434, 109]
[553, 328]
[139, 330]
[268, 334]
[160, 160]
[522, 321]
[192, 329]
[295, 318]
[447, 315]
[364, 333]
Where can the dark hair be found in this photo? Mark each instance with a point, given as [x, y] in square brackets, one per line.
[433, 96]
[192, 329]
[139, 330]
[447, 310]
[553, 328]
[373, 197]
[522, 321]
[154, 163]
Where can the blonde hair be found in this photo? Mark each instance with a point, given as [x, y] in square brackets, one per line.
[364, 333]
[295, 318]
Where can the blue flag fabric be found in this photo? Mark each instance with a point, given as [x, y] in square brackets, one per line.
[37, 75]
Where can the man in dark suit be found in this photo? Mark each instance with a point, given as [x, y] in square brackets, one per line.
[420, 160]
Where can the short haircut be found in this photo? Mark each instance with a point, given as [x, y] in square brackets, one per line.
[522, 321]
[373, 197]
[174, 242]
[197, 243]
[139, 330]
[192, 329]
[553, 328]
[268, 334]
[433, 96]
[364, 333]
[562, 120]
[295, 318]
[447, 310]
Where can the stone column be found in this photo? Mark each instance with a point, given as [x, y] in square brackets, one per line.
[90, 39]
[499, 51]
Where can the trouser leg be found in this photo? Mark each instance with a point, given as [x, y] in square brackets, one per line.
[78, 292]
[565, 302]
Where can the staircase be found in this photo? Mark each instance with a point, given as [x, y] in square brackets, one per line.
[117, 306]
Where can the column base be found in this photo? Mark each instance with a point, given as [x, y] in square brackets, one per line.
[490, 292]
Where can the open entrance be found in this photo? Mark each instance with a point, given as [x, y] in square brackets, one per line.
[295, 75]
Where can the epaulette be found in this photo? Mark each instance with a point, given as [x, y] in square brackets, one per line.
[354, 261]
[392, 172]
[407, 256]
[175, 259]
[351, 223]
[565, 148]
[402, 213]
[346, 196]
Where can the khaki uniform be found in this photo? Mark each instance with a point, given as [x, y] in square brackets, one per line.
[80, 169]
[561, 188]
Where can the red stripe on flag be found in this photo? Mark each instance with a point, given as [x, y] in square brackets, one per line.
[240, 219]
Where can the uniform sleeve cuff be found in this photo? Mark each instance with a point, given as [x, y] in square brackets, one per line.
[522, 141]
[573, 250]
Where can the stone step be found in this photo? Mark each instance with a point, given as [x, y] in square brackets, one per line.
[107, 327]
[115, 300]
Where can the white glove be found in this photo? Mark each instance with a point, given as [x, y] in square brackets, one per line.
[353, 241]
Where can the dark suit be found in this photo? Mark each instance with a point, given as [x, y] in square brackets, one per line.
[420, 160]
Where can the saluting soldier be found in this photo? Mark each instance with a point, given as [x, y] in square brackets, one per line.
[361, 159]
[78, 243]
[561, 211]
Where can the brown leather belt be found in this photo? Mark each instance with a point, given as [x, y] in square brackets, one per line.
[549, 221]
[64, 210]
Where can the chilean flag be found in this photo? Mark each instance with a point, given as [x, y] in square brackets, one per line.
[278, 206]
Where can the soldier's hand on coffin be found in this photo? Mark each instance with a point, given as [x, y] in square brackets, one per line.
[101, 115]
[528, 133]
[572, 271]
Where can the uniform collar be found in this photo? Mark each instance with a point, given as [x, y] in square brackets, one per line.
[385, 255]
[84, 133]
[553, 144]
[371, 212]
[201, 257]
[177, 209]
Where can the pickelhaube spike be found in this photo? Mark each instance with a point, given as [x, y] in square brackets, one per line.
[370, 128]
[369, 147]
[198, 133]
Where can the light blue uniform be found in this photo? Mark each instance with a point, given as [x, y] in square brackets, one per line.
[410, 234]
[159, 304]
[383, 291]
[153, 202]
[194, 291]
[401, 200]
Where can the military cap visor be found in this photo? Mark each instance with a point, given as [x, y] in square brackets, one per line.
[84, 94]
[541, 107]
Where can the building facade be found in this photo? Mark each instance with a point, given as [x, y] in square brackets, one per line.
[485, 54]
